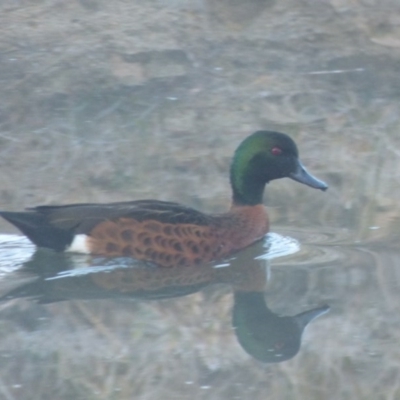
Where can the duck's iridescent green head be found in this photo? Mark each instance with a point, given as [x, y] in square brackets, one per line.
[263, 157]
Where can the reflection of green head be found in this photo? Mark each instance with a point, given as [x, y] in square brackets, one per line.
[260, 158]
[265, 335]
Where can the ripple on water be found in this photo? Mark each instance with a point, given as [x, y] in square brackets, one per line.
[15, 250]
[317, 248]
[277, 246]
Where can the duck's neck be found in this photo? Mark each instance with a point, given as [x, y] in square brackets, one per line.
[247, 186]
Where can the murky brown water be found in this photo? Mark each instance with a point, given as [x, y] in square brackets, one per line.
[115, 101]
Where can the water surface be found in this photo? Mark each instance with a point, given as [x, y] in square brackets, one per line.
[122, 101]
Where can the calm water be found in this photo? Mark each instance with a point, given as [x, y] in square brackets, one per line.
[107, 102]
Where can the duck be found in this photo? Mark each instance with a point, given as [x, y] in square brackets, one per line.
[167, 233]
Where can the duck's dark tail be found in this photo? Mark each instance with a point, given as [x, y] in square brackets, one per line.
[37, 227]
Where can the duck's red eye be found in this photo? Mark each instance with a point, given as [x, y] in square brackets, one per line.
[276, 151]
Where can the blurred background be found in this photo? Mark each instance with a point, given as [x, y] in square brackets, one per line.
[110, 101]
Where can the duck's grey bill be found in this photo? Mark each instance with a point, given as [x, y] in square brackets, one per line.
[303, 176]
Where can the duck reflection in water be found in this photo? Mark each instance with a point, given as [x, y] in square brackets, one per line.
[263, 334]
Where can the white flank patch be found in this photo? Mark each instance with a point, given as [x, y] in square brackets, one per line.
[79, 245]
